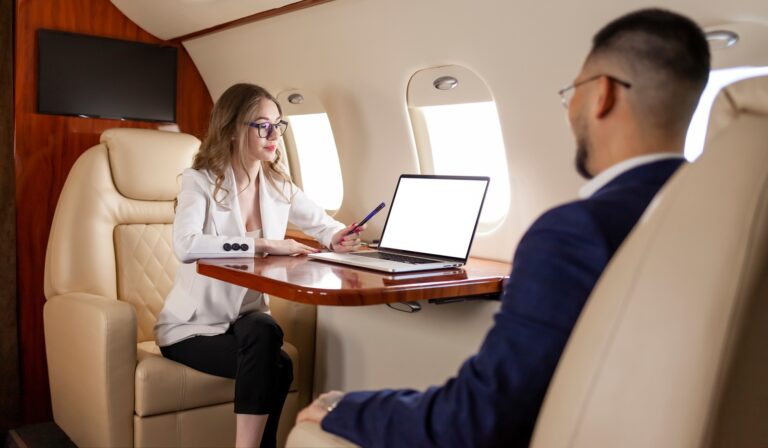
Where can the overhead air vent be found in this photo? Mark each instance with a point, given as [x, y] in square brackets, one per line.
[445, 83]
[720, 39]
[296, 98]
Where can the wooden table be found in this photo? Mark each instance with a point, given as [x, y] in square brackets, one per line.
[304, 280]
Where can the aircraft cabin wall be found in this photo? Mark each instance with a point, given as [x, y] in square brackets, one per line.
[357, 57]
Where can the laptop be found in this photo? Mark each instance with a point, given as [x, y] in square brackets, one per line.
[430, 225]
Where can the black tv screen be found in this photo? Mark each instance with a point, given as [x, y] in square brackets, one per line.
[105, 78]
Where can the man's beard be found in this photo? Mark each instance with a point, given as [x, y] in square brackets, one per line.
[581, 161]
[582, 153]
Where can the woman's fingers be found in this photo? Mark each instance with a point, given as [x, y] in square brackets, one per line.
[344, 241]
[311, 250]
[304, 249]
[349, 242]
[292, 247]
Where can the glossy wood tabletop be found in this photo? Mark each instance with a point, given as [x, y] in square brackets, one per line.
[304, 280]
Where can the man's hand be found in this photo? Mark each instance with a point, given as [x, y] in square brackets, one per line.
[319, 408]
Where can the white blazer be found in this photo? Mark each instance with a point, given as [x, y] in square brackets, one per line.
[204, 228]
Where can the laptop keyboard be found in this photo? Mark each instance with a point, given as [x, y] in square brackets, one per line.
[394, 257]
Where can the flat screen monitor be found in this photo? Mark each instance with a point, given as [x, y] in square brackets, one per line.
[105, 78]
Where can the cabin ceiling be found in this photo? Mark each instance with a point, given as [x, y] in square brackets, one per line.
[501, 39]
[168, 19]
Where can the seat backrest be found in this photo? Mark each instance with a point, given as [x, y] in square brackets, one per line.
[669, 350]
[111, 233]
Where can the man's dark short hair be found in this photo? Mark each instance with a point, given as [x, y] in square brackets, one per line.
[670, 41]
[664, 51]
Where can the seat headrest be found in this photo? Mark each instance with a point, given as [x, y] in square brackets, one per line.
[145, 163]
[749, 96]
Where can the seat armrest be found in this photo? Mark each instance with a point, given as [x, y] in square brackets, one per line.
[311, 435]
[298, 323]
[91, 348]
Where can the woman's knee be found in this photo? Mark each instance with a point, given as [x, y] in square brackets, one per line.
[259, 328]
[286, 363]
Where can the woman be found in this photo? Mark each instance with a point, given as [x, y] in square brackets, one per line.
[236, 201]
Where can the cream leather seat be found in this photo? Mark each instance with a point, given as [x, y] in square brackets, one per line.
[670, 349]
[109, 266]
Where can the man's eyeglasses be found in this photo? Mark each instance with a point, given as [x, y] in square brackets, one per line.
[266, 128]
[566, 93]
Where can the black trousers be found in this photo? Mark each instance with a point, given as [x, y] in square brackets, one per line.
[250, 352]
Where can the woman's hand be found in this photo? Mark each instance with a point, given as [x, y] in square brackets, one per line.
[287, 247]
[341, 242]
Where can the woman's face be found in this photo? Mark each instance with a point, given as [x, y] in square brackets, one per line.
[263, 148]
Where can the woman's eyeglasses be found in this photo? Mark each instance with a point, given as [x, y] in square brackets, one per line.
[266, 128]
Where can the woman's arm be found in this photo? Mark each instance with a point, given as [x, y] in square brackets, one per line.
[190, 242]
[311, 219]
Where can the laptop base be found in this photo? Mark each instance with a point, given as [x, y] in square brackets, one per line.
[380, 265]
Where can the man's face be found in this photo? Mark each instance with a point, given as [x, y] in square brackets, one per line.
[577, 118]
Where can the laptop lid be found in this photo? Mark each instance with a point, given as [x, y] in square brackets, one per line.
[434, 216]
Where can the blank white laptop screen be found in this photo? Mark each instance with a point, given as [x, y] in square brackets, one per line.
[434, 216]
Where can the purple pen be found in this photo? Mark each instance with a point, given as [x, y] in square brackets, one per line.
[367, 218]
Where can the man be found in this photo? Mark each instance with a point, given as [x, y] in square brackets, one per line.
[630, 109]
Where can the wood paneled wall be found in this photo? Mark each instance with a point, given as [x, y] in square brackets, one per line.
[48, 145]
[9, 354]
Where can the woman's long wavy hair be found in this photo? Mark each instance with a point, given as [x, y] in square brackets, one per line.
[228, 136]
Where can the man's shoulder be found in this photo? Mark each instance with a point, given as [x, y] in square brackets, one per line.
[597, 215]
[649, 178]
[633, 188]
[567, 214]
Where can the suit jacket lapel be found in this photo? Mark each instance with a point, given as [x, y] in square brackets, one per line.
[227, 215]
[274, 210]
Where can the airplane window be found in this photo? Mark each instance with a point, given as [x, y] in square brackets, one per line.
[466, 140]
[718, 79]
[316, 150]
[314, 159]
[457, 131]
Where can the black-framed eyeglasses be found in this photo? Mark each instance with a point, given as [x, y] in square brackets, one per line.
[566, 93]
[266, 128]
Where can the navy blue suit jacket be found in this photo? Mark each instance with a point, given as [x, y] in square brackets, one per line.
[495, 398]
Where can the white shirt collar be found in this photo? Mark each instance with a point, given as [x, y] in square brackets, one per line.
[613, 172]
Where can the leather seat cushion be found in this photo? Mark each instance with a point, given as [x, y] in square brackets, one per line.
[164, 386]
